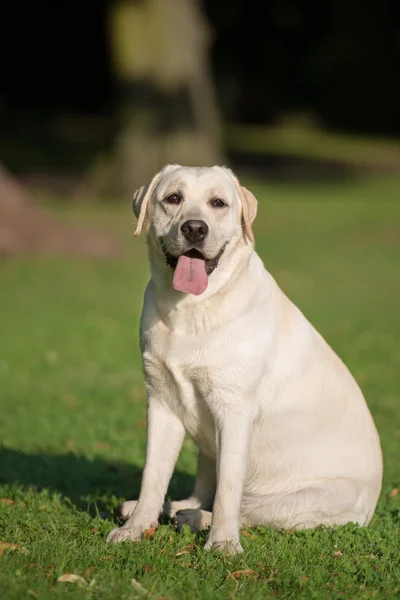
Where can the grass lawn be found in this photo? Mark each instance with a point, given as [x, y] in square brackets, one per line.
[72, 409]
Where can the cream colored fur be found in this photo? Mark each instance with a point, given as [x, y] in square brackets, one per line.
[284, 434]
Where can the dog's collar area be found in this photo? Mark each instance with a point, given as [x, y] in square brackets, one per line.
[210, 264]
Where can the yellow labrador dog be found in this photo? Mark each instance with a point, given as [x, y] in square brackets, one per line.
[284, 434]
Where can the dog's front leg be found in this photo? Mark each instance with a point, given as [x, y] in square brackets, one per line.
[233, 449]
[165, 434]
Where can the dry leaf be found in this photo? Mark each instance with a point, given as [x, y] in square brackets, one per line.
[248, 534]
[148, 569]
[138, 587]
[69, 399]
[241, 574]
[150, 532]
[108, 557]
[337, 554]
[94, 529]
[185, 550]
[7, 546]
[33, 594]
[304, 579]
[102, 445]
[71, 578]
[394, 492]
[7, 501]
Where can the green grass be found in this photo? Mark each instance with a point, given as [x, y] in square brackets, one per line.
[72, 408]
[304, 140]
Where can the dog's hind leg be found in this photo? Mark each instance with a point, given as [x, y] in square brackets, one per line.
[204, 489]
[330, 502]
[195, 518]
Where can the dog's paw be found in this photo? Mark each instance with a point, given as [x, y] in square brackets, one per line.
[126, 508]
[223, 543]
[195, 518]
[124, 533]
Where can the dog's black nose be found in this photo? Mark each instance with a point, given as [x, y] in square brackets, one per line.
[194, 231]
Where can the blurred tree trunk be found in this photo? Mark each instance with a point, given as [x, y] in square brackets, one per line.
[166, 105]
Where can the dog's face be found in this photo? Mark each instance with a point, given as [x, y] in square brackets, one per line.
[193, 215]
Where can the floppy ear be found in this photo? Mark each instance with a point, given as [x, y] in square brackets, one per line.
[249, 211]
[249, 204]
[141, 205]
[141, 200]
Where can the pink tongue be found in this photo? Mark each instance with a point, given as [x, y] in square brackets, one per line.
[190, 275]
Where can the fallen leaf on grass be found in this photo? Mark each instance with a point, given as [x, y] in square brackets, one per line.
[185, 550]
[71, 578]
[241, 574]
[304, 579]
[337, 554]
[148, 569]
[33, 594]
[394, 493]
[7, 501]
[248, 534]
[7, 546]
[139, 588]
[102, 445]
[94, 529]
[108, 557]
[69, 399]
[150, 532]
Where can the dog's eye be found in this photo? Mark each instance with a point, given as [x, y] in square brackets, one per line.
[173, 199]
[217, 203]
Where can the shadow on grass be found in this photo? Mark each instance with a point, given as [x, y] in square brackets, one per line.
[90, 484]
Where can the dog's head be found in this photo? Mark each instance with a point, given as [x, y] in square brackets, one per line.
[194, 214]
